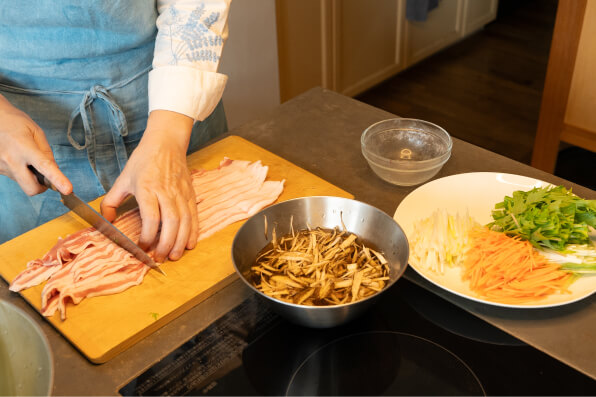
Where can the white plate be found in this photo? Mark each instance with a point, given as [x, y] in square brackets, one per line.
[477, 192]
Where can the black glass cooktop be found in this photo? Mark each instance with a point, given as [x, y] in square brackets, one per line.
[383, 363]
[410, 343]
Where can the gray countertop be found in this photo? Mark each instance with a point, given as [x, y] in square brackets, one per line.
[320, 132]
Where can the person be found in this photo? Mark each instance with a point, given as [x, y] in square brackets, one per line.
[108, 98]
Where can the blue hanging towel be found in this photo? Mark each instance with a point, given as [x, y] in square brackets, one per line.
[417, 10]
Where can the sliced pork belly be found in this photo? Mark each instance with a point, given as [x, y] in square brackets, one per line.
[239, 207]
[234, 192]
[87, 264]
[39, 270]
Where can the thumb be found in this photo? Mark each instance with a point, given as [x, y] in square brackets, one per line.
[113, 199]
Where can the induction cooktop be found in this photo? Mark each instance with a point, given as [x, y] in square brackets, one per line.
[410, 343]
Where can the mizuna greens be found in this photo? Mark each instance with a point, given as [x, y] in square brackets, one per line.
[555, 221]
[549, 217]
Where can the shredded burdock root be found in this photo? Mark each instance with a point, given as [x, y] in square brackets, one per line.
[319, 267]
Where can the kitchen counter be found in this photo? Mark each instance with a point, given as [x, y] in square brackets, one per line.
[320, 132]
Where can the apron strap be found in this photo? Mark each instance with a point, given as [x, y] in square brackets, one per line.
[117, 119]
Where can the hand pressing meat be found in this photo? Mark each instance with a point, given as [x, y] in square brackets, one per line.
[157, 175]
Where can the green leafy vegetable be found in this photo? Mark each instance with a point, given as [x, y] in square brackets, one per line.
[579, 267]
[549, 217]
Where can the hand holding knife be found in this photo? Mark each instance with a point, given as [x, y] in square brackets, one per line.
[100, 223]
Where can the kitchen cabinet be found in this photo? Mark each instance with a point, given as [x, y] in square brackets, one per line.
[365, 44]
[476, 14]
[442, 27]
[349, 46]
[451, 21]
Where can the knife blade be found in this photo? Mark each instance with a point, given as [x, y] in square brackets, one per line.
[101, 224]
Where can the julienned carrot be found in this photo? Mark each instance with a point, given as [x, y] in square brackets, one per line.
[509, 270]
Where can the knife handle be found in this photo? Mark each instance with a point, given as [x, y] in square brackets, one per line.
[42, 180]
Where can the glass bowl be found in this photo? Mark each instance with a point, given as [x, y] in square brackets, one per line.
[405, 152]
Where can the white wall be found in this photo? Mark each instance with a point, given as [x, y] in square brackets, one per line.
[250, 60]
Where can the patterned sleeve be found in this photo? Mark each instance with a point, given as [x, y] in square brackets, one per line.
[188, 47]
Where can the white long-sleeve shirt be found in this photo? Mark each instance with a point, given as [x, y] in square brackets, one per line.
[188, 47]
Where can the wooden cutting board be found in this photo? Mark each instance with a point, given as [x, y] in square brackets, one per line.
[127, 317]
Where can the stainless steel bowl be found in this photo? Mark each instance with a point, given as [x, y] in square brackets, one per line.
[26, 366]
[369, 223]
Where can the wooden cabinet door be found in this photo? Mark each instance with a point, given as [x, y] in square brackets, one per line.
[343, 45]
[442, 27]
[477, 13]
[366, 42]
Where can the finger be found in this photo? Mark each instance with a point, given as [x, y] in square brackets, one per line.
[184, 229]
[113, 198]
[29, 154]
[194, 229]
[27, 181]
[48, 168]
[170, 222]
[150, 216]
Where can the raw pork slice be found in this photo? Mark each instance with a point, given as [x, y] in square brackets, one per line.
[87, 264]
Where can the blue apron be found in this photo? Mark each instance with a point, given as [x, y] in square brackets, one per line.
[79, 69]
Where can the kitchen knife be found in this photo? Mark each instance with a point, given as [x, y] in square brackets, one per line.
[100, 223]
